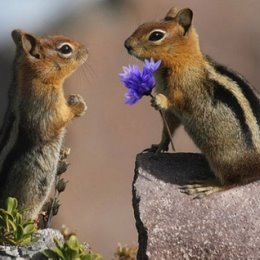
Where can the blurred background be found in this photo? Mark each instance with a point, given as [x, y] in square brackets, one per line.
[97, 201]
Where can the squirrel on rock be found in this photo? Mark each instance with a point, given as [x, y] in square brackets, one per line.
[219, 109]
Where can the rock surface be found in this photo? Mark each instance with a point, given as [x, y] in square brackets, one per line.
[32, 251]
[172, 225]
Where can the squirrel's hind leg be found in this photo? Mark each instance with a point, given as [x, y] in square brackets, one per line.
[202, 188]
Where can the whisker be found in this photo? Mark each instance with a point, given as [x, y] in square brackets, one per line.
[85, 75]
[91, 70]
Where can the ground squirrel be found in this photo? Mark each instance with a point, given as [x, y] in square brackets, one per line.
[217, 106]
[36, 117]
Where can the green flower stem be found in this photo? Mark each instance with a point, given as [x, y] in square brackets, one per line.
[166, 125]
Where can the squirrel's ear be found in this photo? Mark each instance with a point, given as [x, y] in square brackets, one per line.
[27, 42]
[16, 35]
[171, 14]
[184, 18]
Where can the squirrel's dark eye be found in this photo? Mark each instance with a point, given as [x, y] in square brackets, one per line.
[156, 36]
[65, 49]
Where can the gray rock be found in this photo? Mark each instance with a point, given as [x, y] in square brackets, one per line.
[172, 225]
[32, 251]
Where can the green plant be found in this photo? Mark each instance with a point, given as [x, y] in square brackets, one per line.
[14, 228]
[72, 249]
[125, 252]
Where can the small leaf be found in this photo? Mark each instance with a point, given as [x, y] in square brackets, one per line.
[29, 229]
[51, 254]
[12, 225]
[19, 218]
[19, 232]
[73, 242]
[58, 243]
[5, 213]
[60, 253]
[25, 240]
[11, 242]
[11, 204]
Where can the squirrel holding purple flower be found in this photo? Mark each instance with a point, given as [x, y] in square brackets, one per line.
[37, 115]
[218, 107]
[139, 83]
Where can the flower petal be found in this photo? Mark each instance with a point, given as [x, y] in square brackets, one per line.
[131, 97]
[139, 82]
[151, 65]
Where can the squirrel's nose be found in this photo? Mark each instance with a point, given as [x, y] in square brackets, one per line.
[127, 44]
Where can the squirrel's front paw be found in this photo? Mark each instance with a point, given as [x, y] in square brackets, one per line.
[77, 105]
[158, 148]
[160, 102]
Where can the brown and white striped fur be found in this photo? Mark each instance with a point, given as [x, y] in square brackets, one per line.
[36, 117]
[217, 106]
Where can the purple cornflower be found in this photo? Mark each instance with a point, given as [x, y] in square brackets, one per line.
[139, 82]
